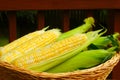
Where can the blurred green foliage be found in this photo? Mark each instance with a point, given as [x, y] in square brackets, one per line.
[3, 40]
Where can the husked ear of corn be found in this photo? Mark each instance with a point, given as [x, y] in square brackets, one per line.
[51, 63]
[54, 50]
[39, 41]
[19, 41]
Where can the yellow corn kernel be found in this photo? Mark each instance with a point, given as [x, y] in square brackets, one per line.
[19, 41]
[37, 42]
[56, 49]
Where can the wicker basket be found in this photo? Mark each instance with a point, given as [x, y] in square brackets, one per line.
[10, 72]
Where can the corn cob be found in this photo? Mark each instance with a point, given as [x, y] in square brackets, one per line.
[83, 60]
[58, 48]
[20, 41]
[37, 42]
[89, 22]
[47, 64]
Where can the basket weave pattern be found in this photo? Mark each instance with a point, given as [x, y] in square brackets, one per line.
[10, 72]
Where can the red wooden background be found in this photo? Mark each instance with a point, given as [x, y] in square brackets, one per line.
[16, 5]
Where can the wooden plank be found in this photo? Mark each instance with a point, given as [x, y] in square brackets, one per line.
[116, 70]
[58, 4]
[66, 21]
[12, 25]
[41, 19]
[117, 21]
[90, 13]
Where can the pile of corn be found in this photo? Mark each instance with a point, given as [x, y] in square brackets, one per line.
[56, 52]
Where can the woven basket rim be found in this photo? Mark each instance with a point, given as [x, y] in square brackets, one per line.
[100, 69]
